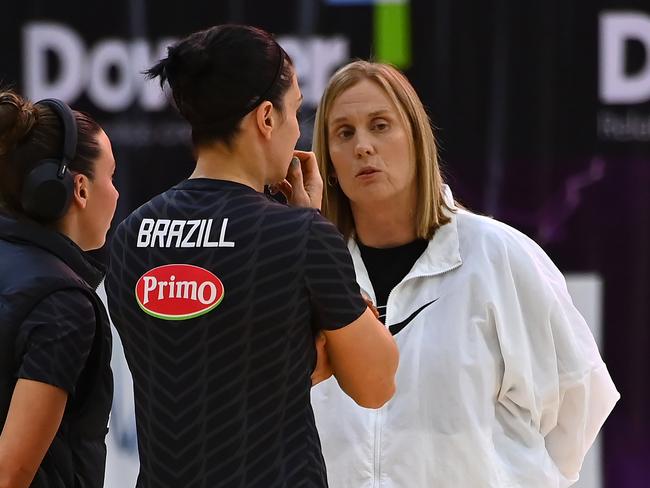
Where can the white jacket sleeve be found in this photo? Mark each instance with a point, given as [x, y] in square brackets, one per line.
[586, 391]
[554, 378]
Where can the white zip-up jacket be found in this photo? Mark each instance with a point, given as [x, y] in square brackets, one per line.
[500, 383]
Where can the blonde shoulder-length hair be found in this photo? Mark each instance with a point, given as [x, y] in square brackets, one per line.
[430, 201]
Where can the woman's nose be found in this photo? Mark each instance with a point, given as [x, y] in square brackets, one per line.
[363, 147]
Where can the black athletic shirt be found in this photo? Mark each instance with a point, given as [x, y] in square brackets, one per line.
[388, 266]
[56, 338]
[222, 374]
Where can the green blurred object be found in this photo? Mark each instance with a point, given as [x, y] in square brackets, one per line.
[392, 28]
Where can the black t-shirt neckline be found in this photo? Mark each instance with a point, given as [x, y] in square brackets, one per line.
[388, 266]
[213, 184]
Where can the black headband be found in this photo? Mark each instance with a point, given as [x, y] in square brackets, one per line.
[260, 98]
[251, 105]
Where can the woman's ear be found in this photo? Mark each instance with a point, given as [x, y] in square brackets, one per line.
[81, 190]
[264, 118]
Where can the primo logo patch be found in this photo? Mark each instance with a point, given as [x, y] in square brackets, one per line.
[178, 291]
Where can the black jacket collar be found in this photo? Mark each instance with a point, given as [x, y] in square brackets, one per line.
[29, 232]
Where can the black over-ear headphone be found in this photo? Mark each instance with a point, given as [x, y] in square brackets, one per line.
[49, 185]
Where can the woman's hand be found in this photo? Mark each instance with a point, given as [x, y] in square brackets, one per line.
[371, 305]
[323, 369]
[303, 186]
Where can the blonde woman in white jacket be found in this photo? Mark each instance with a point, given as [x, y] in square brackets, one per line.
[500, 382]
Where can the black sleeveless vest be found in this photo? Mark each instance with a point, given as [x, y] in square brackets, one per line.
[34, 263]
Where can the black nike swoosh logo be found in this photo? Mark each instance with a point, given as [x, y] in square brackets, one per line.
[396, 328]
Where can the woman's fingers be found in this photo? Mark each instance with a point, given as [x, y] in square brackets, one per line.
[285, 188]
[323, 369]
[371, 305]
[312, 182]
[303, 185]
[294, 177]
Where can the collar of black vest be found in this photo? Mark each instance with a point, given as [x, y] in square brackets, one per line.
[29, 232]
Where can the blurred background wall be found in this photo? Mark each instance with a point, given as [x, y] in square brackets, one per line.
[542, 110]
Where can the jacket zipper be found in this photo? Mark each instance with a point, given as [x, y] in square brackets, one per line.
[376, 482]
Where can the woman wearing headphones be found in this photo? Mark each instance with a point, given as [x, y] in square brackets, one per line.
[57, 200]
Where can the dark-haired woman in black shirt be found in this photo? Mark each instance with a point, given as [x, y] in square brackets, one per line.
[218, 292]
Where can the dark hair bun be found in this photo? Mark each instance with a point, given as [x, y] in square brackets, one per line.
[17, 117]
[219, 75]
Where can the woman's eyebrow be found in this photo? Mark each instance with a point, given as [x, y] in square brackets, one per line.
[381, 111]
[374, 113]
[338, 120]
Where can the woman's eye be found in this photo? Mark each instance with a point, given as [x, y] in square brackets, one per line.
[345, 134]
[381, 126]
